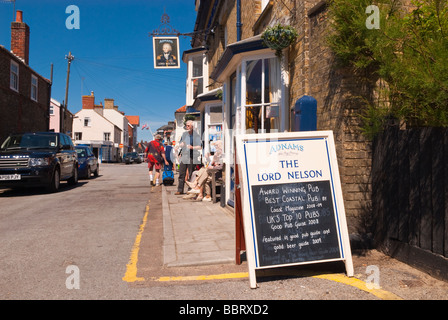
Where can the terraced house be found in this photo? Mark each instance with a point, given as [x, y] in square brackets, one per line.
[24, 94]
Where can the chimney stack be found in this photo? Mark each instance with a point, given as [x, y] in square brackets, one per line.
[20, 38]
[108, 103]
[88, 102]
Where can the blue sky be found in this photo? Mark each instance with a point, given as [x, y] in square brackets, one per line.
[113, 52]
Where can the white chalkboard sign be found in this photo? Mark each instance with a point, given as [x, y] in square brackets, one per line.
[293, 210]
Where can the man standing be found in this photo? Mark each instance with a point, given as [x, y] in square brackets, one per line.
[190, 144]
[155, 155]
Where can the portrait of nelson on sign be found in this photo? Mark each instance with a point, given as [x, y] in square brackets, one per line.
[166, 52]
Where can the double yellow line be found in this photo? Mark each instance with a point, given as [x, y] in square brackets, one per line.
[131, 272]
[131, 267]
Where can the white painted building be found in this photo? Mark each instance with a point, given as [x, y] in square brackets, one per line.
[111, 113]
[91, 128]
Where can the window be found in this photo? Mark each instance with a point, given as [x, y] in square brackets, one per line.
[51, 110]
[106, 136]
[233, 101]
[213, 121]
[34, 87]
[78, 135]
[87, 122]
[262, 108]
[197, 78]
[14, 76]
[64, 140]
[264, 3]
[69, 141]
[197, 74]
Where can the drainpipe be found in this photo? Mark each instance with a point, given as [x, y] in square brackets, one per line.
[238, 20]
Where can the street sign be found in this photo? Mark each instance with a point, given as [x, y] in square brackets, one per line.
[293, 210]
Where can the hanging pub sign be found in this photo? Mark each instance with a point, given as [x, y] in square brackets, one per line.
[292, 205]
[166, 52]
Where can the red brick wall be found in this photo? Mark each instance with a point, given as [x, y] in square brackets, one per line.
[20, 40]
[18, 113]
[88, 102]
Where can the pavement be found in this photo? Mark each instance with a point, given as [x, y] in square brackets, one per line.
[196, 233]
[202, 235]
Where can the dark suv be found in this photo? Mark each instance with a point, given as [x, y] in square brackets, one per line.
[38, 159]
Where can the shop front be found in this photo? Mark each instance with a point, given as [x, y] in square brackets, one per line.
[105, 151]
[210, 107]
[255, 88]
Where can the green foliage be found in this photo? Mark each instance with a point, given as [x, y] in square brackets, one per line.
[409, 52]
[279, 37]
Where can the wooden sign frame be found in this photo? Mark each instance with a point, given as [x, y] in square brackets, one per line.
[291, 198]
[172, 58]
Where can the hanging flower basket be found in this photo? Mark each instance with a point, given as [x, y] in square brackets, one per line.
[279, 37]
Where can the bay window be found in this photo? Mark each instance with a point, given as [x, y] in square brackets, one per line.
[197, 76]
[261, 106]
[197, 73]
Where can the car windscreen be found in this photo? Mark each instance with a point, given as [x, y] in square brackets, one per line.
[30, 141]
[82, 153]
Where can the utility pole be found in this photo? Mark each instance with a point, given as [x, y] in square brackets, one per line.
[69, 59]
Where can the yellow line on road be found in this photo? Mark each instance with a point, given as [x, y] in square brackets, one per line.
[204, 277]
[354, 282]
[131, 267]
[131, 272]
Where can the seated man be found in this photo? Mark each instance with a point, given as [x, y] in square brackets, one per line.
[204, 176]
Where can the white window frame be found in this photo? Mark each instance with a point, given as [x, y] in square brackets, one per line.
[106, 135]
[14, 77]
[264, 3]
[208, 123]
[190, 78]
[87, 122]
[34, 94]
[200, 77]
[242, 103]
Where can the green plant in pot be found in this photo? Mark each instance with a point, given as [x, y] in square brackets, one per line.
[279, 37]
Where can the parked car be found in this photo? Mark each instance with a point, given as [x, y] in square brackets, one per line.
[132, 157]
[87, 162]
[38, 159]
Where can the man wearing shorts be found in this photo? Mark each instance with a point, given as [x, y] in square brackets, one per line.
[155, 155]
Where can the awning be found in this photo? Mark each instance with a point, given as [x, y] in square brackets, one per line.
[242, 47]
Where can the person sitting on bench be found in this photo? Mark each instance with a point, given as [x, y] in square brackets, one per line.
[204, 176]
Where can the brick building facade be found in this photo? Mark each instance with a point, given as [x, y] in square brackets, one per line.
[307, 68]
[24, 94]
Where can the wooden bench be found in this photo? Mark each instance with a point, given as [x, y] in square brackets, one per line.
[217, 181]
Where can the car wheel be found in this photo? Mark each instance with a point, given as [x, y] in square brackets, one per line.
[89, 172]
[74, 179]
[97, 171]
[55, 181]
